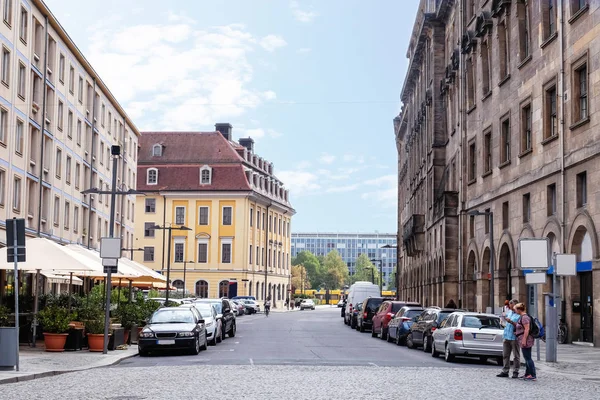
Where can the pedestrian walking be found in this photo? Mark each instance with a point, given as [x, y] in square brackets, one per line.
[509, 342]
[525, 340]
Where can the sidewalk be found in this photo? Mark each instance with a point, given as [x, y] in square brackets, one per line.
[574, 361]
[37, 363]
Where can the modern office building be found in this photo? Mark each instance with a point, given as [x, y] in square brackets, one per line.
[350, 246]
[58, 121]
[237, 211]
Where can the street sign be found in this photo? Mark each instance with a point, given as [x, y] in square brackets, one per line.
[535, 278]
[110, 264]
[534, 254]
[10, 239]
[110, 247]
[566, 265]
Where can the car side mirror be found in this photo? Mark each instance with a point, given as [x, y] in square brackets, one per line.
[201, 321]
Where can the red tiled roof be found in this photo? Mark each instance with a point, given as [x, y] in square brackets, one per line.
[187, 177]
[187, 147]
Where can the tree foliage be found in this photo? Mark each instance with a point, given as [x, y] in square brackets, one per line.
[365, 270]
[299, 277]
[311, 265]
[335, 272]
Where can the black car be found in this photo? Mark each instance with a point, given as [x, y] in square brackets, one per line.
[369, 307]
[224, 315]
[173, 328]
[354, 318]
[421, 330]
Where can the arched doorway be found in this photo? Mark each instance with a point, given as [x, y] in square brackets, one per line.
[178, 283]
[484, 282]
[581, 286]
[201, 289]
[471, 283]
[504, 275]
[223, 289]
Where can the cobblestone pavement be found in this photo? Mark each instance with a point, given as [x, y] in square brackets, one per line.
[295, 382]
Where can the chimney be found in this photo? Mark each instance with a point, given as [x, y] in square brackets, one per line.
[248, 143]
[225, 130]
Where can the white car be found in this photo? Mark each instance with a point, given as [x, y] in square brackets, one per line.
[307, 303]
[213, 326]
[252, 306]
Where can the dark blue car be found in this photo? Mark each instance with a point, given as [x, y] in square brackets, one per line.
[400, 325]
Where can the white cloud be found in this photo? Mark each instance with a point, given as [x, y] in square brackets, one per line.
[304, 50]
[387, 193]
[257, 133]
[304, 164]
[302, 15]
[300, 182]
[176, 76]
[383, 180]
[342, 189]
[272, 42]
[327, 158]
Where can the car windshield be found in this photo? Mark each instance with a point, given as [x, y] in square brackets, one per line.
[172, 317]
[441, 316]
[481, 322]
[250, 302]
[218, 305]
[373, 305]
[205, 310]
[412, 313]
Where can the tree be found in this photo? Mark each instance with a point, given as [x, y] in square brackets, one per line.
[335, 271]
[311, 265]
[299, 278]
[365, 270]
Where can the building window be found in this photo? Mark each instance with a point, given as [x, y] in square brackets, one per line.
[61, 68]
[251, 217]
[505, 216]
[202, 289]
[78, 132]
[487, 152]
[227, 215]
[71, 79]
[486, 80]
[150, 206]
[471, 82]
[75, 219]
[3, 124]
[149, 229]
[524, 29]
[580, 95]
[504, 51]
[23, 25]
[203, 252]
[5, 66]
[551, 199]
[56, 210]
[67, 214]
[581, 189]
[548, 18]
[205, 175]
[223, 289]
[471, 226]
[102, 114]
[180, 215]
[58, 162]
[152, 176]
[148, 253]
[226, 253]
[80, 90]
[472, 162]
[526, 208]
[526, 128]
[505, 141]
[21, 81]
[7, 12]
[550, 120]
[179, 246]
[70, 124]
[203, 216]
[250, 255]
[68, 170]
[577, 5]
[77, 174]
[470, 11]
[19, 136]
[486, 225]
[59, 123]
[157, 150]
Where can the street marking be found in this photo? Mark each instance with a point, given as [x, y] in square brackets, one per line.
[251, 362]
[231, 350]
[373, 364]
[237, 342]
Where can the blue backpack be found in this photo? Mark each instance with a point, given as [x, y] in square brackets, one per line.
[536, 329]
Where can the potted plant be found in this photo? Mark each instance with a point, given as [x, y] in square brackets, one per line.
[129, 315]
[94, 328]
[55, 323]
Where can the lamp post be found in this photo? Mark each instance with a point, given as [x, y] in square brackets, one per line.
[490, 215]
[184, 271]
[115, 151]
[380, 275]
[170, 228]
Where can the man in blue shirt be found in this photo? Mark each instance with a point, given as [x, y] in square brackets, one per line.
[510, 344]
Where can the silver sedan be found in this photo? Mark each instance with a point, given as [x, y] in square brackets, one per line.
[467, 334]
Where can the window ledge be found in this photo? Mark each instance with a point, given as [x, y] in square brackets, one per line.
[472, 181]
[485, 96]
[525, 153]
[579, 13]
[470, 110]
[504, 164]
[549, 40]
[504, 80]
[485, 174]
[524, 61]
[579, 123]
[549, 139]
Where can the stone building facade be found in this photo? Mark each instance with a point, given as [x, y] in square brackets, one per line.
[517, 82]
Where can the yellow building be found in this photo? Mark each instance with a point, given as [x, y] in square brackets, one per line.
[237, 212]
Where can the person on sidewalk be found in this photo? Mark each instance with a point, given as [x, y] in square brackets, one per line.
[525, 340]
[509, 342]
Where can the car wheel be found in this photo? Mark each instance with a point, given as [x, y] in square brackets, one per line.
[434, 352]
[483, 359]
[213, 341]
[388, 337]
[232, 330]
[373, 333]
[223, 333]
[313, 309]
[205, 345]
[399, 342]
[362, 328]
[218, 335]
[142, 352]
[409, 342]
[426, 344]
[383, 335]
[449, 357]
[196, 349]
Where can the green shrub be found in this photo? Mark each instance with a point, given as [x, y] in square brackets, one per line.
[128, 314]
[4, 321]
[55, 319]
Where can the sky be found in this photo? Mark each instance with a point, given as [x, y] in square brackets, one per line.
[316, 84]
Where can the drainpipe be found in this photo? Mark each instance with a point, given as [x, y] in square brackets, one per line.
[89, 234]
[561, 86]
[122, 182]
[164, 230]
[461, 188]
[42, 135]
[267, 252]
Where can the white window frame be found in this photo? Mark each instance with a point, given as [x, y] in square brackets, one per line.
[209, 169]
[230, 243]
[19, 136]
[177, 223]
[157, 146]
[207, 216]
[176, 241]
[148, 176]
[153, 254]
[17, 182]
[223, 216]
[146, 205]
[203, 241]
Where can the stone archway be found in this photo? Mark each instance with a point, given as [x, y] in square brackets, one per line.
[483, 292]
[582, 326]
[470, 293]
[504, 275]
[439, 295]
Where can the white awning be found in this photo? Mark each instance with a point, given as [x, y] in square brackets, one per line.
[64, 279]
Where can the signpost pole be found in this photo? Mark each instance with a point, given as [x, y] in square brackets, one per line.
[16, 285]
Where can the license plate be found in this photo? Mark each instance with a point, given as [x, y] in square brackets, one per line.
[483, 336]
[165, 342]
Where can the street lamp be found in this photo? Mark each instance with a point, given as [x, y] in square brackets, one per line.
[170, 229]
[490, 215]
[184, 271]
[380, 275]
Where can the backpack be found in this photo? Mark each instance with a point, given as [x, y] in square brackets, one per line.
[536, 329]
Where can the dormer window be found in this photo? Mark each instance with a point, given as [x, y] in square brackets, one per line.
[205, 175]
[152, 176]
[157, 150]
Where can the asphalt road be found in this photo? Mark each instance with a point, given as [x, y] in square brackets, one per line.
[316, 337]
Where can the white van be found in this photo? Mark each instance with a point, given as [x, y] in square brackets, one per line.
[357, 293]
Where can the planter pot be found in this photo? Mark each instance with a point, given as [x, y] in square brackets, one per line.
[55, 341]
[96, 341]
[8, 347]
[126, 336]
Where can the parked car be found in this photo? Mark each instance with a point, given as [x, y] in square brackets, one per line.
[224, 314]
[357, 293]
[212, 325]
[469, 334]
[369, 308]
[425, 325]
[354, 318]
[243, 298]
[400, 325]
[386, 311]
[241, 307]
[173, 328]
[252, 307]
[307, 304]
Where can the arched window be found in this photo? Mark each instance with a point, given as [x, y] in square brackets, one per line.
[256, 294]
[202, 289]
[223, 289]
[178, 283]
[250, 286]
[152, 176]
[205, 175]
[157, 150]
